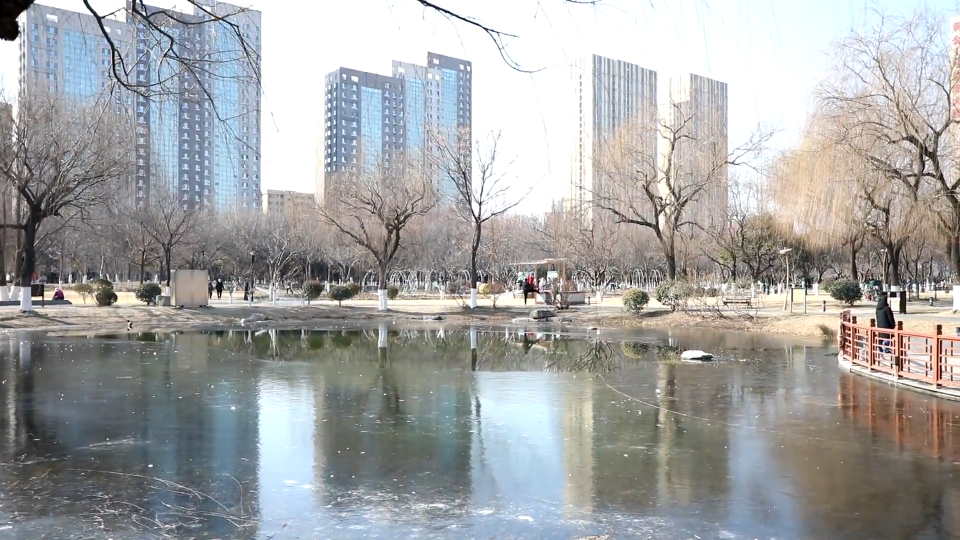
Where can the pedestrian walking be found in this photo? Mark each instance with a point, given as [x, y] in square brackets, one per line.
[885, 319]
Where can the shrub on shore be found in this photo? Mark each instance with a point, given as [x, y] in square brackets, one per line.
[846, 291]
[674, 294]
[85, 290]
[148, 293]
[634, 300]
[312, 290]
[339, 293]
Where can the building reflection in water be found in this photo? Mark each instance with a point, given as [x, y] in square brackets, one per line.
[386, 435]
[577, 432]
[166, 417]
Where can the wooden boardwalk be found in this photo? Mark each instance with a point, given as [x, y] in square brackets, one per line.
[926, 362]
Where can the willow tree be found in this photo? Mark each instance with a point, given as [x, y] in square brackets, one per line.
[890, 96]
[835, 195]
[818, 190]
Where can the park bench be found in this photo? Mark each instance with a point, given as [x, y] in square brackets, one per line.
[737, 301]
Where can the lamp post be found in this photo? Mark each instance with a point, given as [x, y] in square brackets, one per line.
[788, 300]
[253, 279]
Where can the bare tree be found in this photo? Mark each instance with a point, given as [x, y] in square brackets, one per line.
[592, 246]
[499, 37]
[891, 96]
[746, 242]
[132, 238]
[373, 207]
[63, 159]
[279, 240]
[170, 222]
[656, 185]
[479, 197]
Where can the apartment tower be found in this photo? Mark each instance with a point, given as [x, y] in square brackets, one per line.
[612, 101]
[696, 108]
[372, 120]
[202, 141]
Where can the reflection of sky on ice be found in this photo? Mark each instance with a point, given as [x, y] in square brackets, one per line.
[517, 443]
[286, 454]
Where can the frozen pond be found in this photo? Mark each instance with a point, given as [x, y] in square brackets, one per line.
[373, 433]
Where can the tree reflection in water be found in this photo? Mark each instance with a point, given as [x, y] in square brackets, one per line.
[448, 348]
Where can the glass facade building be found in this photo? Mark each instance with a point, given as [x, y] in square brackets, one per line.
[202, 142]
[392, 117]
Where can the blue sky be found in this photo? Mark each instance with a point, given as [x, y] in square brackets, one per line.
[770, 53]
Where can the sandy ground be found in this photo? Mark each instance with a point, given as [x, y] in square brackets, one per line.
[769, 318]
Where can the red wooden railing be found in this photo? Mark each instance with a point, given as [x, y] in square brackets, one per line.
[909, 419]
[933, 359]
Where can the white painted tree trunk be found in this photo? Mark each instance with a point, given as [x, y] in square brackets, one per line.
[473, 338]
[26, 303]
[473, 298]
[382, 297]
[382, 333]
[599, 296]
[25, 350]
[4, 293]
[15, 293]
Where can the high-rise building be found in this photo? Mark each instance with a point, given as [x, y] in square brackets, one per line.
[204, 140]
[364, 124]
[610, 100]
[372, 120]
[695, 108]
[289, 204]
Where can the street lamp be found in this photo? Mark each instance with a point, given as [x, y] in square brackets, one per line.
[789, 298]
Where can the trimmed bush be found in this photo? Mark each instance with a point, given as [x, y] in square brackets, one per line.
[312, 290]
[355, 289]
[673, 294]
[827, 285]
[392, 292]
[148, 293]
[106, 297]
[85, 290]
[99, 284]
[339, 293]
[635, 300]
[846, 291]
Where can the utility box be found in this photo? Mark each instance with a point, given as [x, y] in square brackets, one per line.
[188, 288]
